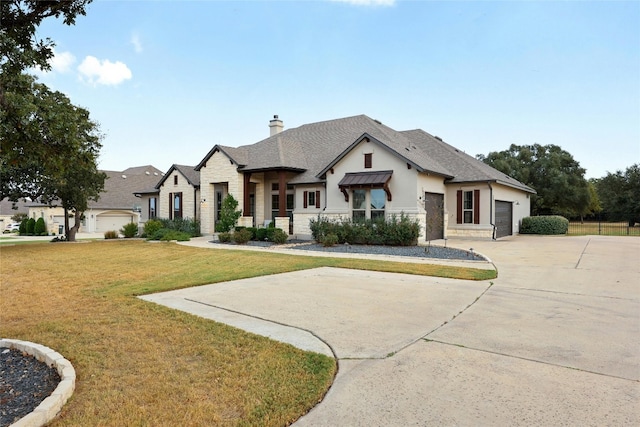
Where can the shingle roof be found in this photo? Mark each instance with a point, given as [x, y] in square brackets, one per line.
[6, 207]
[120, 187]
[189, 172]
[313, 148]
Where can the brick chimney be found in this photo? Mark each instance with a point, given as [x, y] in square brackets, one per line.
[275, 126]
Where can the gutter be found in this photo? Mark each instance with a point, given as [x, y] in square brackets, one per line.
[491, 219]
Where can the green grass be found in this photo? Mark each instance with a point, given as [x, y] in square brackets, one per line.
[587, 228]
[143, 364]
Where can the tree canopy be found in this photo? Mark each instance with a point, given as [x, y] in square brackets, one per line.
[553, 172]
[48, 146]
[619, 194]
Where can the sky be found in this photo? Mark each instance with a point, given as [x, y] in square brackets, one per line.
[168, 80]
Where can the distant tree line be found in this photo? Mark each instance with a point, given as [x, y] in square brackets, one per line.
[562, 188]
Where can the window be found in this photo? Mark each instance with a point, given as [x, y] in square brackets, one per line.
[467, 207]
[152, 207]
[368, 160]
[175, 179]
[311, 199]
[359, 208]
[378, 197]
[218, 204]
[177, 205]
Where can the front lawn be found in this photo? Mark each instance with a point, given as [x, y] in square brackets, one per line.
[138, 363]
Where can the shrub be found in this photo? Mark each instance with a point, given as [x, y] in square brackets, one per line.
[40, 228]
[31, 225]
[394, 231]
[111, 234]
[329, 240]
[261, 234]
[228, 214]
[185, 225]
[130, 230]
[23, 226]
[552, 224]
[180, 236]
[241, 236]
[278, 236]
[224, 237]
[151, 227]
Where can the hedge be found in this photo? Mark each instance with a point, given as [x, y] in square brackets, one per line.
[552, 224]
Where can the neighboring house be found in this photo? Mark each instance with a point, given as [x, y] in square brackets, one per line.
[356, 168]
[116, 207]
[9, 209]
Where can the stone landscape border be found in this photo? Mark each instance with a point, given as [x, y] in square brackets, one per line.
[51, 406]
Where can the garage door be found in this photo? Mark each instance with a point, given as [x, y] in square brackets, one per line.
[112, 222]
[504, 219]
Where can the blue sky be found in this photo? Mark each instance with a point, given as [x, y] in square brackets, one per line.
[167, 80]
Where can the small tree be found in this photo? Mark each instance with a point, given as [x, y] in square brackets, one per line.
[130, 230]
[19, 217]
[228, 214]
[40, 228]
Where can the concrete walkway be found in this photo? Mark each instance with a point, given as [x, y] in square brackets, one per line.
[555, 340]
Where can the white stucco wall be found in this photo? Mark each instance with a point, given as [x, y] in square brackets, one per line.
[521, 203]
[403, 184]
[218, 169]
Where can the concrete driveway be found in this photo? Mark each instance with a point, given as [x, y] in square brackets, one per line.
[555, 340]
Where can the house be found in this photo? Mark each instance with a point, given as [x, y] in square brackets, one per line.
[116, 207]
[8, 209]
[180, 189]
[356, 167]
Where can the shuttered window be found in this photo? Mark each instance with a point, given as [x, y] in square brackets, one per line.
[468, 207]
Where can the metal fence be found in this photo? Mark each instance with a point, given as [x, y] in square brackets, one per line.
[602, 228]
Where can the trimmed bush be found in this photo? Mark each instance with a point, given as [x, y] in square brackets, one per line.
[224, 237]
[23, 226]
[111, 234]
[329, 240]
[151, 227]
[278, 236]
[180, 236]
[393, 231]
[552, 224]
[130, 230]
[241, 236]
[31, 226]
[40, 228]
[261, 234]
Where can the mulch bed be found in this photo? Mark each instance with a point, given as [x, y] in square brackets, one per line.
[24, 383]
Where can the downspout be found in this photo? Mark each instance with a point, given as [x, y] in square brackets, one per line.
[491, 219]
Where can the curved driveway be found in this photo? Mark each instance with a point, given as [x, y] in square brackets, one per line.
[555, 340]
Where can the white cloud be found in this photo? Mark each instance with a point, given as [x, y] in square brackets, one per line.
[104, 72]
[368, 2]
[60, 62]
[137, 44]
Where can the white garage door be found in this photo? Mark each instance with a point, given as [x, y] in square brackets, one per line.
[112, 222]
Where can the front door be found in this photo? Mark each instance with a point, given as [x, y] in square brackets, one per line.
[434, 205]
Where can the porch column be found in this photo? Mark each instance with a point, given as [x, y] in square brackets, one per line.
[282, 191]
[246, 203]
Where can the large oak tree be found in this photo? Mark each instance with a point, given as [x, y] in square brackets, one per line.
[619, 195]
[557, 178]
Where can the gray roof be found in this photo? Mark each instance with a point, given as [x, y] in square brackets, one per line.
[189, 172]
[314, 148]
[120, 187]
[7, 207]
